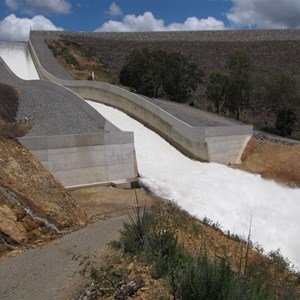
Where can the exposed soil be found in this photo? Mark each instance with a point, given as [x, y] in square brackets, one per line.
[101, 202]
[33, 204]
[276, 161]
[80, 65]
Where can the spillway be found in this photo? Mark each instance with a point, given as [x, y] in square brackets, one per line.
[215, 191]
[17, 57]
[230, 197]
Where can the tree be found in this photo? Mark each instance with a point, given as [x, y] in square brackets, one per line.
[283, 90]
[160, 74]
[239, 69]
[285, 121]
[216, 89]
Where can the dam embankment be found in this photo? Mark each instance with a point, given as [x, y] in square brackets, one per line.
[270, 50]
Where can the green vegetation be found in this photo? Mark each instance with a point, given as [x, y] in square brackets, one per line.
[193, 276]
[160, 74]
[285, 121]
[81, 64]
[283, 90]
[239, 69]
[155, 243]
[231, 90]
[239, 87]
[64, 50]
[216, 89]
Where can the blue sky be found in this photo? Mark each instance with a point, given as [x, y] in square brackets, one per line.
[18, 16]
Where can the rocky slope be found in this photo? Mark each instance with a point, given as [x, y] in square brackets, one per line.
[33, 204]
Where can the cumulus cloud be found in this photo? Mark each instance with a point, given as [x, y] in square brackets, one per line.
[115, 10]
[147, 22]
[265, 13]
[38, 6]
[13, 28]
[194, 23]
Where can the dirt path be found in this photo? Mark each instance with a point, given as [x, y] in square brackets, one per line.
[53, 271]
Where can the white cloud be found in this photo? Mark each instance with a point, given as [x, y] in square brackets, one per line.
[147, 22]
[265, 13]
[12, 4]
[40, 6]
[194, 23]
[115, 10]
[13, 28]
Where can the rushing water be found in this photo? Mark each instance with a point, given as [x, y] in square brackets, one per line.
[17, 57]
[12, 197]
[215, 191]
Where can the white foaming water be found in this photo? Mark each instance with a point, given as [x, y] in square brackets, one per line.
[16, 55]
[218, 192]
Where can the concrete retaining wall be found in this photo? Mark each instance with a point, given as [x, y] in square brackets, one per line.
[88, 158]
[216, 144]
[74, 158]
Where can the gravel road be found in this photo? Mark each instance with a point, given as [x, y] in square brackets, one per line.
[52, 271]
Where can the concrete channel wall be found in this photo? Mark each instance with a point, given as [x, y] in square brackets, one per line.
[86, 159]
[214, 144]
[74, 158]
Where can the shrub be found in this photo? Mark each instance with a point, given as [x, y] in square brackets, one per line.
[160, 74]
[285, 121]
[149, 237]
[14, 129]
[216, 89]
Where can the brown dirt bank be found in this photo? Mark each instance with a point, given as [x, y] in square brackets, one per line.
[31, 199]
[272, 160]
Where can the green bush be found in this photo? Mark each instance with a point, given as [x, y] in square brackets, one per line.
[160, 74]
[135, 232]
[164, 252]
[189, 276]
[285, 121]
[201, 278]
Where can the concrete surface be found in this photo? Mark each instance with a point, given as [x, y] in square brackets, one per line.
[86, 159]
[69, 137]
